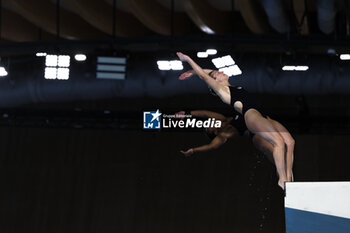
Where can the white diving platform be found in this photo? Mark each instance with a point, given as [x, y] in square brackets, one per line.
[317, 207]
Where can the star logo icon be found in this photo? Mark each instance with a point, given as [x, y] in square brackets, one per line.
[156, 115]
[151, 119]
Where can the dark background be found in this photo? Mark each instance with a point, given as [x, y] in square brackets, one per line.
[74, 167]
[74, 157]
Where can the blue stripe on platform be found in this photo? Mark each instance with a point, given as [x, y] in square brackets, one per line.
[299, 221]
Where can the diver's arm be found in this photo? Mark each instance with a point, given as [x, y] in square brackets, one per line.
[189, 73]
[214, 144]
[212, 83]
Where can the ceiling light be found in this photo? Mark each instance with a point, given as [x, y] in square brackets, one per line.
[170, 65]
[63, 61]
[176, 65]
[228, 61]
[288, 68]
[51, 60]
[218, 62]
[301, 68]
[111, 68]
[57, 67]
[211, 51]
[231, 70]
[344, 56]
[80, 57]
[3, 72]
[163, 65]
[40, 54]
[227, 65]
[295, 68]
[63, 73]
[202, 54]
[235, 70]
[50, 73]
[223, 61]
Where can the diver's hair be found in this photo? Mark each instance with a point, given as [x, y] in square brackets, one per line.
[210, 74]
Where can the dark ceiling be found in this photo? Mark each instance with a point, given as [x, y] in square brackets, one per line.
[254, 24]
[258, 33]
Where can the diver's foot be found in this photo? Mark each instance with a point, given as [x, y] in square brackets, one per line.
[281, 183]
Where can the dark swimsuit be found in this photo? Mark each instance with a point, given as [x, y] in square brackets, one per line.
[248, 102]
[239, 94]
[238, 123]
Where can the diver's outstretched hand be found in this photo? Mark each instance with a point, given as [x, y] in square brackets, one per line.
[182, 57]
[188, 152]
[186, 75]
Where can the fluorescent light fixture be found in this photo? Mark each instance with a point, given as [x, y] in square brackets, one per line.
[176, 65]
[231, 70]
[211, 51]
[236, 70]
[218, 62]
[295, 68]
[202, 54]
[57, 67]
[226, 70]
[111, 68]
[301, 68]
[51, 60]
[227, 65]
[288, 68]
[170, 65]
[60, 60]
[63, 61]
[107, 75]
[112, 60]
[206, 29]
[223, 61]
[228, 61]
[344, 56]
[3, 72]
[63, 73]
[80, 57]
[164, 65]
[40, 54]
[50, 73]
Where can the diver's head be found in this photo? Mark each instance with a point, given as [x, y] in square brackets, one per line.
[219, 76]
